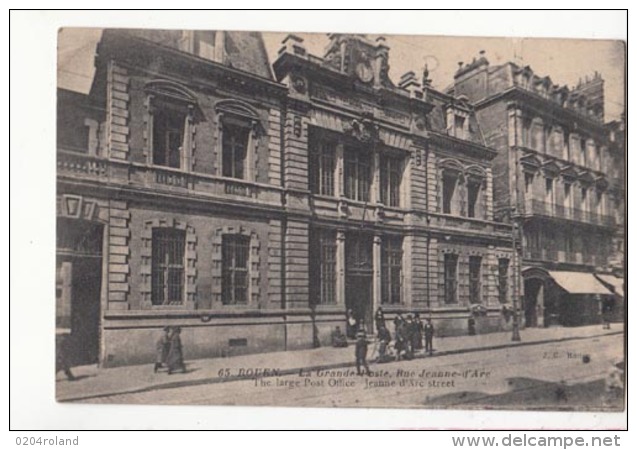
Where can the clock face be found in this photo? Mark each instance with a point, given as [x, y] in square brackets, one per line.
[364, 72]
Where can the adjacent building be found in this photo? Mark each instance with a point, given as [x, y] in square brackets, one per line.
[558, 177]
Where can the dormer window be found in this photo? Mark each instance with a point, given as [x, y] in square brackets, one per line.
[202, 43]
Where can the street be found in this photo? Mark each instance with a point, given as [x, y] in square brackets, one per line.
[564, 375]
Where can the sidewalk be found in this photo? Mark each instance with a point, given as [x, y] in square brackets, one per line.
[94, 382]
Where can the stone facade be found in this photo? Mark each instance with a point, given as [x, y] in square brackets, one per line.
[558, 177]
[253, 211]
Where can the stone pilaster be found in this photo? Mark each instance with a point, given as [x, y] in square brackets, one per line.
[297, 264]
[117, 111]
[118, 255]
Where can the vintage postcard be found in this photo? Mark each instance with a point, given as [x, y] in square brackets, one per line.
[340, 220]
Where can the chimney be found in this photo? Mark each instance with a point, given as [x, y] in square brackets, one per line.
[592, 88]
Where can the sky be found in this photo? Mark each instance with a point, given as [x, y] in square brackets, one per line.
[564, 60]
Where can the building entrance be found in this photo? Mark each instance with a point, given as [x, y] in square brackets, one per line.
[534, 302]
[78, 288]
[358, 278]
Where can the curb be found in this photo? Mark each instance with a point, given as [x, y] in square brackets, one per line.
[216, 380]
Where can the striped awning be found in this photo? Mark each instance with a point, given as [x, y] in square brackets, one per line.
[579, 282]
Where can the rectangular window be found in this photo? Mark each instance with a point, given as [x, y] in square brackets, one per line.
[459, 124]
[567, 195]
[451, 281]
[549, 191]
[528, 184]
[235, 252]
[167, 277]
[390, 177]
[475, 284]
[235, 151]
[357, 175]
[473, 193]
[323, 267]
[503, 280]
[584, 203]
[391, 270]
[168, 136]
[322, 165]
[583, 152]
[448, 190]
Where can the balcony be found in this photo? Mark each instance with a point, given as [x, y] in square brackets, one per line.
[164, 180]
[541, 208]
[81, 165]
[562, 256]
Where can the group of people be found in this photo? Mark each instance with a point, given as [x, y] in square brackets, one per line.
[407, 339]
[409, 333]
[169, 351]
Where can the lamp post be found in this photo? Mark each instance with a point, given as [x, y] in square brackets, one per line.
[516, 267]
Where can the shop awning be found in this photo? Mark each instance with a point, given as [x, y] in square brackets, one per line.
[579, 282]
[615, 282]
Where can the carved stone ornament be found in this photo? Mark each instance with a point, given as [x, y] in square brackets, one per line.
[363, 130]
[299, 85]
[364, 72]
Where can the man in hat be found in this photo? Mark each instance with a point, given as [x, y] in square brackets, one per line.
[361, 352]
[418, 332]
[162, 348]
[429, 336]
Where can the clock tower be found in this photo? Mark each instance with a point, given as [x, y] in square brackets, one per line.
[361, 58]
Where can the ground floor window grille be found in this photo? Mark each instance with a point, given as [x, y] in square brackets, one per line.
[235, 274]
[168, 266]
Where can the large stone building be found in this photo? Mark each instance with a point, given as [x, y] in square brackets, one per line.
[559, 177]
[197, 187]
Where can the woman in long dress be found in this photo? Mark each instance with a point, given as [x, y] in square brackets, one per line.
[175, 359]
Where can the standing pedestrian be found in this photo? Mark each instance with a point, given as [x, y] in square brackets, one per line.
[361, 352]
[384, 338]
[63, 353]
[429, 336]
[418, 330]
[410, 333]
[401, 337]
[350, 326]
[175, 357]
[379, 319]
[162, 349]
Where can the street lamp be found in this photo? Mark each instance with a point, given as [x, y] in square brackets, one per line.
[516, 320]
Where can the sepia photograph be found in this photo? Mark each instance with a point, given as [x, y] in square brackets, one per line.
[318, 220]
[253, 218]
[340, 220]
